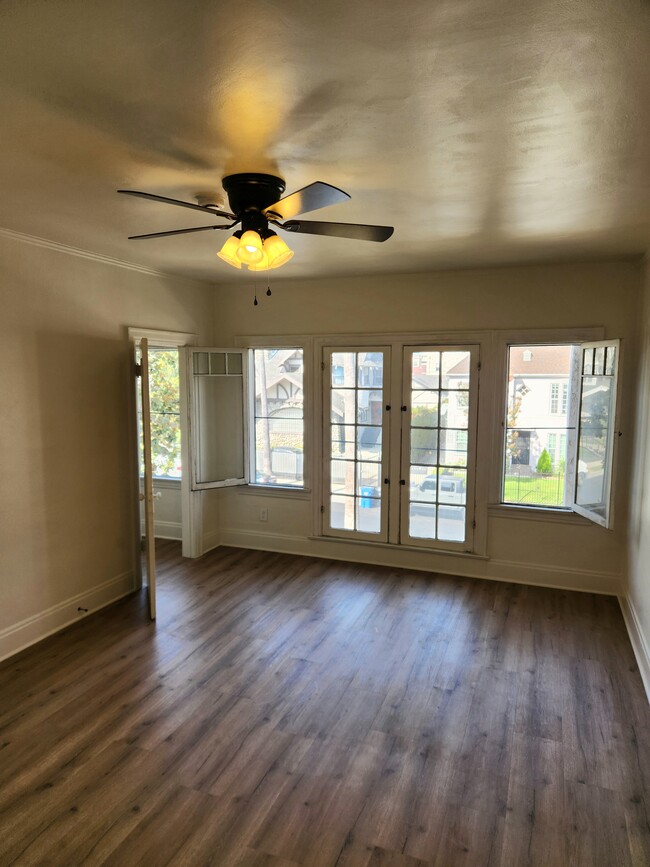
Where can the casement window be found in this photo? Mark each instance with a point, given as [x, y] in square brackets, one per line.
[246, 417]
[399, 450]
[559, 427]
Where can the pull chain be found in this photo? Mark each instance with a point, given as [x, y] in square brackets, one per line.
[268, 285]
[255, 301]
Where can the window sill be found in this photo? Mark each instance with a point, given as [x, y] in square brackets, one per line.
[440, 552]
[536, 513]
[286, 492]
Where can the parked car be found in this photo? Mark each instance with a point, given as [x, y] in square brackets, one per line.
[451, 488]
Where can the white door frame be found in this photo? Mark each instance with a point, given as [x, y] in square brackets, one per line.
[191, 513]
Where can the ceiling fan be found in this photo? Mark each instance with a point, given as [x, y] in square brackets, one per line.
[256, 203]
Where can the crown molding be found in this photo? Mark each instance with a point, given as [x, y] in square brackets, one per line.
[35, 241]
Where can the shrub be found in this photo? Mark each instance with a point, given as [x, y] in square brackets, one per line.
[544, 464]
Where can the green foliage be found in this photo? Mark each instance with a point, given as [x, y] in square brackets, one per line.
[165, 412]
[423, 441]
[544, 464]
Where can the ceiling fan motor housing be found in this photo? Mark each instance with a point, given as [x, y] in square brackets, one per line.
[249, 194]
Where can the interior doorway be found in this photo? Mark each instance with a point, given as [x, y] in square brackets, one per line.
[168, 439]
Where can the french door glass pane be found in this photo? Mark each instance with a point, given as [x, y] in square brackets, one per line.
[356, 418]
[438, 444]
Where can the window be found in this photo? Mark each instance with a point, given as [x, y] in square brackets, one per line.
[356, 438]
[432, 459]
[278, 429]
[559, 398]
[165, 414]
[559, 427]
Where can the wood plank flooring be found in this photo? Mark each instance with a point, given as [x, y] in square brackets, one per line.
[289, 711]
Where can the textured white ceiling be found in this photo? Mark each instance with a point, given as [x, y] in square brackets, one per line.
[485, 131]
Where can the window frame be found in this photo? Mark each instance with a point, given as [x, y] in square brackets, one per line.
[501, 341]
[326, 530]
[250, 404]
[444, 545]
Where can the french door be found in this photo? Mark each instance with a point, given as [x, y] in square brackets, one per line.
[417, 432]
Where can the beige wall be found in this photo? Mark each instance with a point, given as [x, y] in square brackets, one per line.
[572, 554]
[638, 586]
[66, 517]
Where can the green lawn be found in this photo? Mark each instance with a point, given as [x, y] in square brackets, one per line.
[534, 490]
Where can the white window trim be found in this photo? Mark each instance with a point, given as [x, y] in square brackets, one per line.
[251, 342]
[501, 341]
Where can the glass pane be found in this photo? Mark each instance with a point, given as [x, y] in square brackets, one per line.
[587, 361]
[454, 409]
[425, 369]
[279, 458]
[220, 420]
[166, 445]
[343, 406]
[369, 480]
[422, 521]
[164, 381]
[452, 487]
[342, 477]
[200, 363]
[217, 362]
[451, 523]
[537, 426]
[369, 406]
[342, 440]
[596, 417]
[453, 448]
[343, 366]
[342, 513]
[368, 515]
[424, 446]
[424, 409]
[455, 370]
[599, 361]
[424, 480]
[369, 443]
[235, 363]
[610, 364]
[370, 369]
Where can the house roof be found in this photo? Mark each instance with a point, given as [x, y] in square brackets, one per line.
[543, 361]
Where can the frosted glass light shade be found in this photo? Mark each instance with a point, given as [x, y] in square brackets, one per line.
[277, 251]
[262, 265]
[249, 250]
[229, 252]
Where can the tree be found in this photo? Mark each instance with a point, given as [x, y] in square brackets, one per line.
[165, 412]
[544, 464]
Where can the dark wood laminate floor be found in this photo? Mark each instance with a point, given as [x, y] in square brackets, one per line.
[286, 711]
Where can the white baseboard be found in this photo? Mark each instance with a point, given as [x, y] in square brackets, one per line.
[637, 638]
[213, 540]
[168, 530]
[585, 581]
[21, 635]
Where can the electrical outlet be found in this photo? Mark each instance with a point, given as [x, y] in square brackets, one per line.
[264, 514]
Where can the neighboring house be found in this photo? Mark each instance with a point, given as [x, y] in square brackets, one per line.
[539, 400]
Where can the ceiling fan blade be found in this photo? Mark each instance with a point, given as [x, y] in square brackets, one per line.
[356, 231]
[309, 198]
[178, 232]
[205, 209]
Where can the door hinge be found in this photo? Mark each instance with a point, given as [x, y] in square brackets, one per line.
[322, 365]
[478, 366]
[322, 510]
[138, 370]
[474, 524]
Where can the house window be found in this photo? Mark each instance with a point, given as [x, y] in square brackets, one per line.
[537, 429]
[559, 398]
[278, 424]
[432, 414]
[558, 453]
[165, 414]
